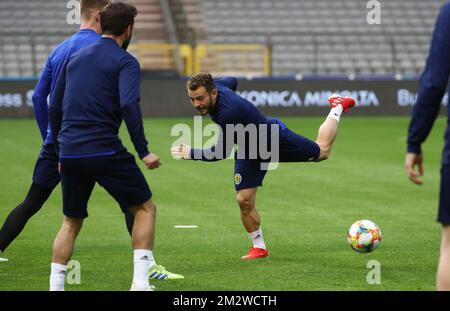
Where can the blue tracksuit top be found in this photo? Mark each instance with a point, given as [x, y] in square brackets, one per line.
[98, 88]
[47, 81]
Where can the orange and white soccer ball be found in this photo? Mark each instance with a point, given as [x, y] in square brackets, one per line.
[364, 236]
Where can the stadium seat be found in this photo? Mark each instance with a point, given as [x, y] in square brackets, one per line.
[297, 30]
[292, 24]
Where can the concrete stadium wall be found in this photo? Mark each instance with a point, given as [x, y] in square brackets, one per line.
[168, 98]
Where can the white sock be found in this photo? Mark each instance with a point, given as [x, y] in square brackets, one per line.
[335, 112]
[150, 257]
[257, 238]
[143, 260]
[57, 277]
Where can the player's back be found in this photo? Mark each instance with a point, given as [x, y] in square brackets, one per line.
[234, 109]
[55, 63]
[67, 48]
[92, 101]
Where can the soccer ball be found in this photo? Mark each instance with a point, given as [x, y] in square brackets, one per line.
[364, 236]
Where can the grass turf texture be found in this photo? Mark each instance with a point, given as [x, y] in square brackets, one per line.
[306, 210]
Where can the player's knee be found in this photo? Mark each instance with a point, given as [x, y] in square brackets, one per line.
[245, 202]
[147, 207]
[73, 225]
[153, 209]
[26, 209]
[150, 207]
[325, 152]
[242, 200]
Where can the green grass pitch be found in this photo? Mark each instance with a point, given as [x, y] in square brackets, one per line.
[306, 210]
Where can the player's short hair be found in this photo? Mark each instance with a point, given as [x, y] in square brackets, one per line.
[87, 7]
[116, 17]
[201, 79]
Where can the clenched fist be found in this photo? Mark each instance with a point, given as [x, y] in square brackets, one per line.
[152, 161]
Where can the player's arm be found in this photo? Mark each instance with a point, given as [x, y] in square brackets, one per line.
[433, 84]
[55, 107]
[229, 82]
[39, 99]
[220, 151]
[129, 89]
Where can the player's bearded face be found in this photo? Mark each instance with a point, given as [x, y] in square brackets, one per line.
[202, 100]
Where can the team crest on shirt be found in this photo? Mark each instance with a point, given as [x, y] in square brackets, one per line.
[237, 178]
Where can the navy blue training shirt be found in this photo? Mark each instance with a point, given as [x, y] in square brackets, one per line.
[47, 81]
[232, 109]
[99, 87]
[433, 84]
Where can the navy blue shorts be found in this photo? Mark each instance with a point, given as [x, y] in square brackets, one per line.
[293, 148]
[118, 174]
[444, 198]
[46, 169]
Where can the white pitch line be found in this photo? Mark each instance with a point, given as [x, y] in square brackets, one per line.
[186, 227]
[3, 260]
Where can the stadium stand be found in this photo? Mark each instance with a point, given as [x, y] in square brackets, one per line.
[308, 37]
[189, 20]
[327, 37]
[31, 29]
[149, 25]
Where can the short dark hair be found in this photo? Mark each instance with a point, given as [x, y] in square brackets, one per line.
[116, 17]
[201, 79]
[88, 6]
